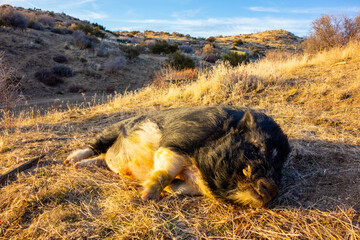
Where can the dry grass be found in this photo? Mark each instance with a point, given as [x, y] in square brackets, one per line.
[168, 75]
[315, 99]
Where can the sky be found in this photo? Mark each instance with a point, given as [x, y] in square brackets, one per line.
[199, 18]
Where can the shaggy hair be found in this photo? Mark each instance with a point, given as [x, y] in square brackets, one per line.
[228, 153]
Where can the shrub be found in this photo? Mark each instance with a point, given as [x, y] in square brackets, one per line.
[61, 31]
[62, 71]
[82, 41]
[209, 48]
[115, 64]
[60, 59]
[130, 52]
[47, 77]
[176, 34]
[89, 29]
[329, 31]
[102, 51]
[13, 18]
[76, 89]
[238, 42]
[235, 58]
[98, 26]
[186, 49]
[46, 20]
[211, 58]
[211, 39]
[180, 61]
[149, 43]
[164, 47]
[35, 25]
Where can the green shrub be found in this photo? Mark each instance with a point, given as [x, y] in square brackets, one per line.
[180, 61]
[238, 42]
[164, 47]
[211, 39]
[130, 52]
[99, 26]
[35, 25]
[235, 58]
[90, 29]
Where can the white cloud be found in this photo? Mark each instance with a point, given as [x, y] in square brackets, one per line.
[19, 3]
[89, 15]
[264, 9]
[186, 13]
[306, 10]
[96, 15]
[75, 4]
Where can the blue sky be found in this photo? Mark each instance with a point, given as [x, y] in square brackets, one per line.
[198, 18]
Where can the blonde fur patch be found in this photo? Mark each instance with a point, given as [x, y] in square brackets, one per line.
[134, 154]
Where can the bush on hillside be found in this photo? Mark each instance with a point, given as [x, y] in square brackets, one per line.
[82, 41]
[149, 43]
[238, 42]
[211, 39]
[60, 59]
[186, 49]
[46, 20]
[12, 18]
[90, 29]
[130, 52]
[330, 31]
[180, 61]
[164, 47]
[61, 31]
[209, 48]
[211, 58]
[48, 77]
[62, 71]
[35, 25]
[115, 64]
[235, 58]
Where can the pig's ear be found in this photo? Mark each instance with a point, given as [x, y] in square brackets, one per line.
[247, 122]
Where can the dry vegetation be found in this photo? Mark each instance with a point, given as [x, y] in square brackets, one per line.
[315, 99]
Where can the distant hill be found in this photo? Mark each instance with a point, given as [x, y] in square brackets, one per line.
[97, 60]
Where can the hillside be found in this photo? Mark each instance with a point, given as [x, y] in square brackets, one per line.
[97, 60]
[314, 98]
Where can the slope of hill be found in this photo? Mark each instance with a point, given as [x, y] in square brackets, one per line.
[91, 58]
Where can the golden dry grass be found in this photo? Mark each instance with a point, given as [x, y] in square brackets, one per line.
[315, 99]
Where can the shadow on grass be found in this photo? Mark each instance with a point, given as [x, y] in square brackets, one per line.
[321, 175]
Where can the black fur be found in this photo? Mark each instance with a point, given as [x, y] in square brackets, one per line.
[222, 141]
